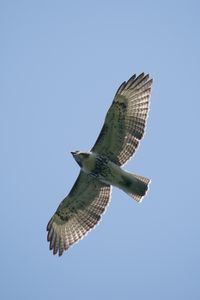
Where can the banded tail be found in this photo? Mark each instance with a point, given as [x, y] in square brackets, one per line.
[134, 185]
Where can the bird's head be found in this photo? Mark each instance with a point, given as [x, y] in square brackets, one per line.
[80, 157]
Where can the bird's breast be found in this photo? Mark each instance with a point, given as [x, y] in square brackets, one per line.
[88, 165]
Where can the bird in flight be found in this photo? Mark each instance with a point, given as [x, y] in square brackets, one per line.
[100, 168]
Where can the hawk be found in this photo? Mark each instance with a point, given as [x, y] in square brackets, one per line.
[119, 137]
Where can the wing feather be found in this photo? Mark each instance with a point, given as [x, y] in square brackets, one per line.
[78, 213]
[125, 121]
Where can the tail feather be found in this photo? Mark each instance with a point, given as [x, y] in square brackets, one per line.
[135, 186]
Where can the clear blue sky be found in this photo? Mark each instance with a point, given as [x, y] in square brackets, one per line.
[61, 63]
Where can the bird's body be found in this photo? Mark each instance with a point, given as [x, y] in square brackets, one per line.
[101, 168]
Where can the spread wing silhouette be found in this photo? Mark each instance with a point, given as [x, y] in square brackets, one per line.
[125, 121]
[123, 128]
[79, 212]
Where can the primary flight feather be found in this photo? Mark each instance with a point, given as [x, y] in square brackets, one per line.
[122, 130]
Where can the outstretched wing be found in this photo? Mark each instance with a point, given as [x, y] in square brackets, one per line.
[125, 120]
[79, 212]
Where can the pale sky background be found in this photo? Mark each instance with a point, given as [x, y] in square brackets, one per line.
[60, 65]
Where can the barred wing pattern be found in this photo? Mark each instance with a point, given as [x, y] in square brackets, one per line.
[125, 120]
[79, 212]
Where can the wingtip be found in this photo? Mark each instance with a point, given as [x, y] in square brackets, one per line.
[133, 81]
[49, 225]
[121, 87]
